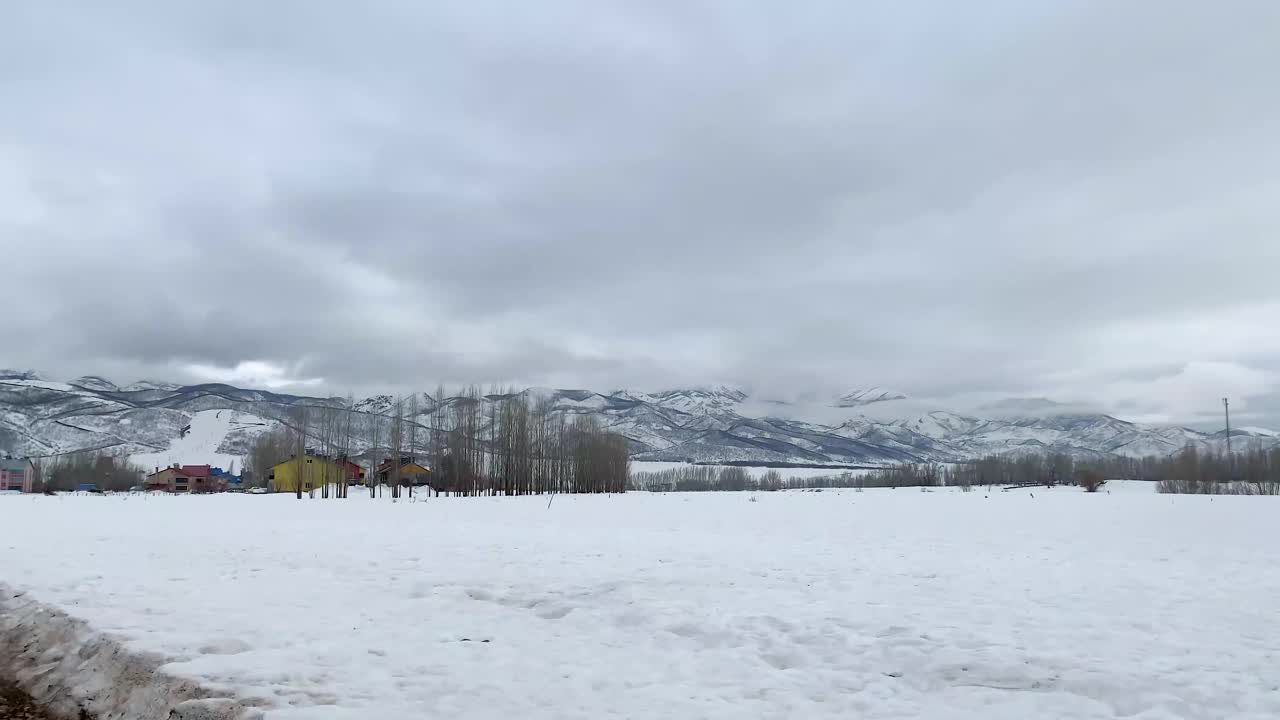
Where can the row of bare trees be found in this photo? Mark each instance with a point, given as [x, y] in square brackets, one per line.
[1256, 471]
[1052, 469]
[1252, 471]
[510, 444]
[499, 443]
[111, 472]
[333, 435]
[708, 478]
[1013, 470]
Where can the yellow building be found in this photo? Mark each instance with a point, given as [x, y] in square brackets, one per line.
[315, 472]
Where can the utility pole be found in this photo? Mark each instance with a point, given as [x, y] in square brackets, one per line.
[1231, 459]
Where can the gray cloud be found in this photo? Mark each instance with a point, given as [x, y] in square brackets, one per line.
[1060, 200]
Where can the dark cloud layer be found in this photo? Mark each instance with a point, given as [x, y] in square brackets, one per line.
[1075, 201]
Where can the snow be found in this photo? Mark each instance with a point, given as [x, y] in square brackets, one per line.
[591, 402]
[149, 385]
[867, 396]
[41, 384]
[201, 445]
[884, 604]
[1261, 431]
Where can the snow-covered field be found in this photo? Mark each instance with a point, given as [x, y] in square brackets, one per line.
[883, 604]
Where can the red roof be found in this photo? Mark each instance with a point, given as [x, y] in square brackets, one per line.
[196, 471]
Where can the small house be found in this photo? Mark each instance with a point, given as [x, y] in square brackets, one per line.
[411, 471]
[355, 473]
[170, 479]
[186, 479]
[203, 479]
[17, 475]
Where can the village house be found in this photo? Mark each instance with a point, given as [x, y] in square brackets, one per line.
[411, 471]
[186, 479]
[314, 471]
[17, 475]
[355, 473]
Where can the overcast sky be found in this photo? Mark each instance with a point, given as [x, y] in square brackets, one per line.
[961, 201]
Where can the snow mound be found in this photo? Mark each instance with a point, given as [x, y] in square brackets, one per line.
[70, 669]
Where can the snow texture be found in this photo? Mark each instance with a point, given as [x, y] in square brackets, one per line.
[883, 604]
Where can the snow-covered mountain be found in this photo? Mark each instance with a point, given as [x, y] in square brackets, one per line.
[41, 417]
[159, 423]
[867, 396]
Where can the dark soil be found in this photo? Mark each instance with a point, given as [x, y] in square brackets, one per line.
[14, 705]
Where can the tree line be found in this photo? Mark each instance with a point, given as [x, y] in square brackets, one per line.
[713, 478]
[505, 443]
[105, 471]
[500, 443]
[1252, 471]
[1255, 471]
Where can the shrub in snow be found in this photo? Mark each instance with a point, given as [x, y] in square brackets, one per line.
[1092, 480]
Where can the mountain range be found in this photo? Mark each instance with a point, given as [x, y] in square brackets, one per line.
[158, 423]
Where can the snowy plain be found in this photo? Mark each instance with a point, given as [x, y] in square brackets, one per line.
[881, 604]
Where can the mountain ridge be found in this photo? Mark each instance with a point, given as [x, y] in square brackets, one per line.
[713, 424]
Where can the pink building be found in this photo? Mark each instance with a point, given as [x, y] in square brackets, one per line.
[17, 475]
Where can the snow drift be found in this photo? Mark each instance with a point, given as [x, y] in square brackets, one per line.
[73, 671]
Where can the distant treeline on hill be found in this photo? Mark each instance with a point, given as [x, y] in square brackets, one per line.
[1252, 471]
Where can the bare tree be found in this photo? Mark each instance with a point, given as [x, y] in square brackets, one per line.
[268, 449]
[397, 447]
[300, 453]
[375, 484]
